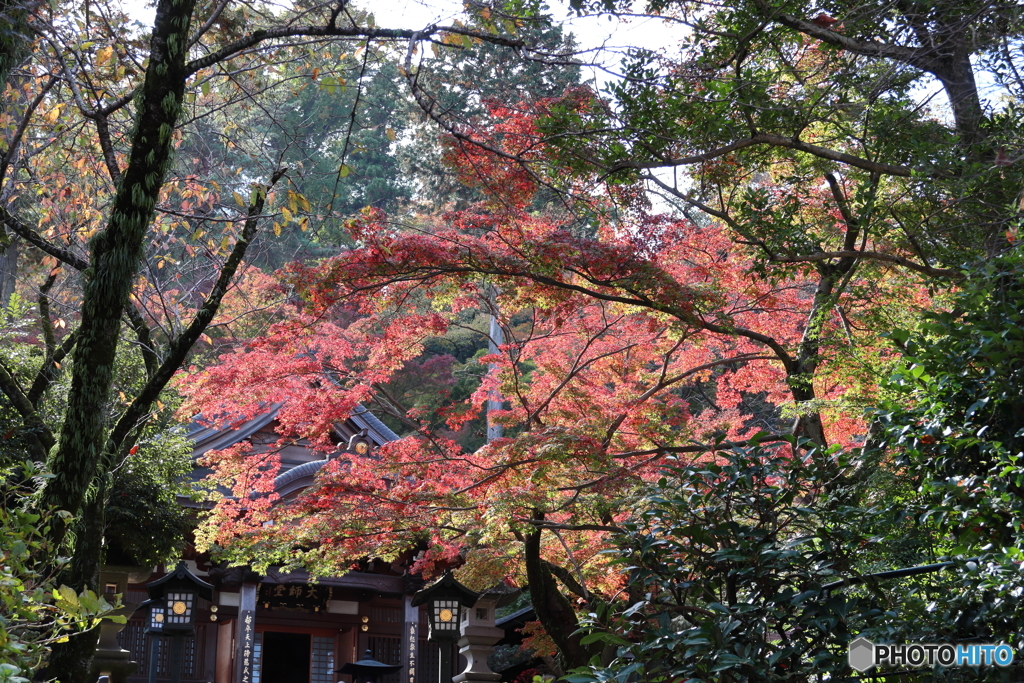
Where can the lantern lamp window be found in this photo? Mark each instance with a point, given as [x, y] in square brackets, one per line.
[446, 615]
[156, 618]
[180, 605]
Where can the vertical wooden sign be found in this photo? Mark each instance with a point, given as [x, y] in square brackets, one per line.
[410, 641]
[245, 633]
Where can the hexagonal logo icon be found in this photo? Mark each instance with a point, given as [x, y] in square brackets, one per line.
[861, 655]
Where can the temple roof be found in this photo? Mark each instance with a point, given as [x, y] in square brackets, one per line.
[299, 462]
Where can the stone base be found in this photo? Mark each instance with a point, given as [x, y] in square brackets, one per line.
[119, 669]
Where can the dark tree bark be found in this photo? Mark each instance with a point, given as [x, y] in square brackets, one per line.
[81, 455]
[552, 608]
[8, 269]
[116, 255]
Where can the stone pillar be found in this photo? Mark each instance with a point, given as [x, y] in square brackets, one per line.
[110, 659]
[479, 634]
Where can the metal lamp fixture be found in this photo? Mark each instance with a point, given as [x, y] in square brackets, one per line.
[173, 599]
[156, 616]
[445, 599]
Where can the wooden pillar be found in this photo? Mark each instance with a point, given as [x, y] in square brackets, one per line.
[347, 641]
[225, 631]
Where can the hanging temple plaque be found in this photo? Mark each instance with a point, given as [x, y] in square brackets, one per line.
[304, 597]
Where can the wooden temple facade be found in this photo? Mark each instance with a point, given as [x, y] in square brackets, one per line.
[284, 628]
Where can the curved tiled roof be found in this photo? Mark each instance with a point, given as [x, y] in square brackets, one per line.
[225, 433]
[307, 469]
[378, 431]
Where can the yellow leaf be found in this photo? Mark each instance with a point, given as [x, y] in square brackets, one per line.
[287, 214]
[51, 115]
[224, 243]
[277, 229]
[206, 338]
[390, 132]
[104, 54]
[344, 171]
[238, 199]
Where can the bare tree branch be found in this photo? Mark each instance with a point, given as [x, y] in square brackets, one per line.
[135, 413]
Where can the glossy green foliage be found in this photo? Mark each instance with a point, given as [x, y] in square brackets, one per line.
[145, 520]
[34, 611]
[726, 574]
[955, 421]
[730, 566]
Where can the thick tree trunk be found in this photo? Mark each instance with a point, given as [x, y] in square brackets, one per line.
[70, 661]
[801, 379]
[8, 271]
[15, 35]
[115, 260]
[553, 610]
[962, 90]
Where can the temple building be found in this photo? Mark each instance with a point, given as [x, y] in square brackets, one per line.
[284, 628]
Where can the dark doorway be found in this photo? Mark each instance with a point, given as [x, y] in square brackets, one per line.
[285, 657]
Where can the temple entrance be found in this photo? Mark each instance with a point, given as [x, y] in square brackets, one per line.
[290, 657]
[286, 657]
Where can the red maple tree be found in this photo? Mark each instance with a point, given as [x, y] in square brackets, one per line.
[625, 325]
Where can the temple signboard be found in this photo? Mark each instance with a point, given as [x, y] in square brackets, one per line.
[294, 596]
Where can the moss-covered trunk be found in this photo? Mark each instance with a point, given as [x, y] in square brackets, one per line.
[116, 253]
